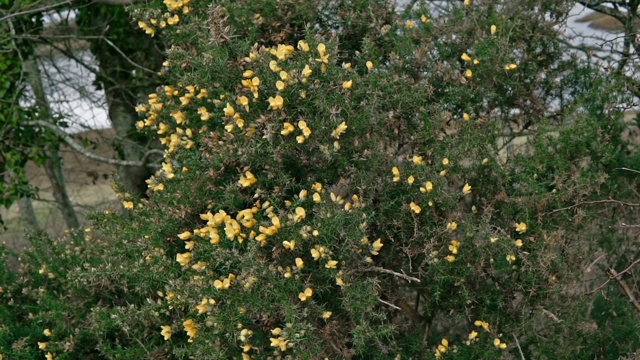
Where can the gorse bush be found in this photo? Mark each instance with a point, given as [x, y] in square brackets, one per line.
[341, 181]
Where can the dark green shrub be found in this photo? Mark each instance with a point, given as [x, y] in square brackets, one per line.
[310, 208]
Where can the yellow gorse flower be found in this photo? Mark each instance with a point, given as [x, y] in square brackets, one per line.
[287, 128]
[243, 101]
[306, 72]
[184, 258]
[396, 174]
[247, 179]
[276, 103]
[324, 58]
[302, 45]
[331, 264]
[521, 227]
[428, 187]
[190, 328]
[166, 332]
[375, 247]
[499, 344]
[305, 294]
[299, 214]
[222, 284]
[342, 127]
[229, 110]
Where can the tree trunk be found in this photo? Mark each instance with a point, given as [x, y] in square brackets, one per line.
[125, 81]
[27, 214]
[53, 164]
[123, 118]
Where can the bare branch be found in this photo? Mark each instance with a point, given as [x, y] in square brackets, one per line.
[607, 201]
[519, 348]
[612, 275]
[627, 169]
[386, 271]
[117, 2]
[390, 304]
[599, 6]
[127, 58]
[36, 10]
[551, 315]
[44, 8]
[77, 147]
[626, 289]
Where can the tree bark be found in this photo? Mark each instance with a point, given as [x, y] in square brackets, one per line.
[27, 214]
[124, 84]
[53, 164]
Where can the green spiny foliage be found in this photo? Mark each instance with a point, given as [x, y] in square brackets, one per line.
[329, 197]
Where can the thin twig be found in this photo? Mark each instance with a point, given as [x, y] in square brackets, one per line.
[551, 315]
[594, 262]
[623, 225]
[627, 169]
[626, 289]
[612, 276]
[387, 271]
[518, 345]
[127, 58]
[607, 201]
[77, 147]
[390, 304]
[36, 10]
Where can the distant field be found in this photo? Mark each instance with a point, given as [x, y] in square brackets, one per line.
[88, 184]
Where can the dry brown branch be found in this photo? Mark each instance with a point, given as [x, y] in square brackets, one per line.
[518, 345]
[607, 201]
[386, 271]
[77, 147]
[551, 315]
[627, 169]
[390, 304]
[612, 275]
[626, 289]
[35, 10]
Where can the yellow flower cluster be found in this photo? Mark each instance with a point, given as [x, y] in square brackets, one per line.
[190, 328]
[453, 249]
[174, 6]
[261, 221]
[442, 348]
[280, 341]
